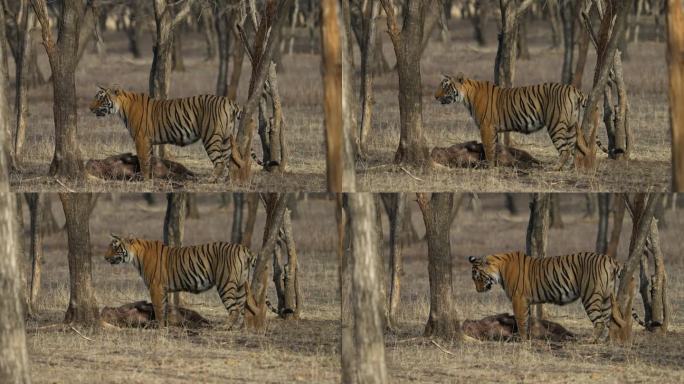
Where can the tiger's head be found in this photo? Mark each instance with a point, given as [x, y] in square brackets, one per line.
[485, 272]
[106, 101]
[452, 89]
[119, 251]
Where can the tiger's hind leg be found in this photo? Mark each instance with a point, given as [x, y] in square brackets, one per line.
[217, 149]
[563, 138]
[598, 310]
[233, 298]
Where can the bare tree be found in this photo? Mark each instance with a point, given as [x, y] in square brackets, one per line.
[675, 60]
[286, 272]
[8, 153]
[395, 206]
[642, 208]
[266, 38]
[63, 55]
[82, 304]
[174, 226]
[538, 234]
[340, 166]
[370, 13]
[366, 284]
[653, 288]
[413, 148]
[33, 201]
[443, 321]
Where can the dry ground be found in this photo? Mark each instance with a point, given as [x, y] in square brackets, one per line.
[446, 125]
[308, 350]
[300, 88]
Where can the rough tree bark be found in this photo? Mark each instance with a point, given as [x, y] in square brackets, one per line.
[413, 150]
[568, 18]
[675, 60]
[366, 285]
[443, 321]
[82, 303]
[14, 365]
[33, 200]
[23, 23]
[538, 234]
[5, 145]
[166, 20]
[395, 206]
[368, 31]
[642, 208]
[62, 54]
[266, 38]
[286, 272]
[236, 228]
[174, 225]
[340, 168]
[347, 350]
[224, 20]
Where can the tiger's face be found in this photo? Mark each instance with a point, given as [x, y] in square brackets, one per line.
[118, 251]
[451, 89]
[485, 273]
[105, 102]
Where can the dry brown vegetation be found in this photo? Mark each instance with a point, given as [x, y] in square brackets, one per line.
[307, 350]
[300, 87]
[644, 72]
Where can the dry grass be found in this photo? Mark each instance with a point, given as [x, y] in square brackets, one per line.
[308, 350]
[446, 125]
[299, 83]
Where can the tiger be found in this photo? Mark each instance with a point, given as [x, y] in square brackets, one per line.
[520, 109]
[559, 280]
[178, 121]
[194, 269]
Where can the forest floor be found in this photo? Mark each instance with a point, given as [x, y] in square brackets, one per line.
[445, 125]
[300, 87]
[307, 350]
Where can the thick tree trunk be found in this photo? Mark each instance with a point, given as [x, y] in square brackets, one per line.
[285, 272]
[339, 168]
[366, 284]
[21, 77]
[82, 303]
[62, 54]
[5, 145]
[252, 207]
[443, 321]
[367, 53]
[568, 18]
[238, 205]
[618, 217]
[395, 205]
[413, 150]
[344, 260]
[675, 60]
[33, 201]
[604, 213]
[224, 22]
[538, 233]
[174, 226]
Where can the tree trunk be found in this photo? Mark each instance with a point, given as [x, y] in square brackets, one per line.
[395, 205]
[224, 22]
[443, 321]
[21, 76]
[675, 60]
[604, 213]
[15, 366]
[174, 226]
[366, 284]
[642, 210]
[568, 18]
[135, 29]
[370, 14]
[238, 58]
[344, 260]
[479, 20]
[33, 201]
[339, 168]
[252, 207]
[82, 303]
[285, 272]
[236, 231]
[62, 54]
[413, 150]
[5, 145]
[556, 216]
[538, 234]
[618, 217]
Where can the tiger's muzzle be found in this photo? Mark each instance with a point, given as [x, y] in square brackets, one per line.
[100, 111]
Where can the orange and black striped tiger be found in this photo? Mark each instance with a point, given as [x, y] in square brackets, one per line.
[179, 121]
[520, 109]
[559, 280]
[193, 269]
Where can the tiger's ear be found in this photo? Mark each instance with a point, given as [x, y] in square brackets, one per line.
[460, 77]
[115, 237]
[101, 88]
[472, 259]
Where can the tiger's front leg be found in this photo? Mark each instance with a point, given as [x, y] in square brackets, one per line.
[143, 148]
[159, 298]
[521, 311]
[488, 134]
